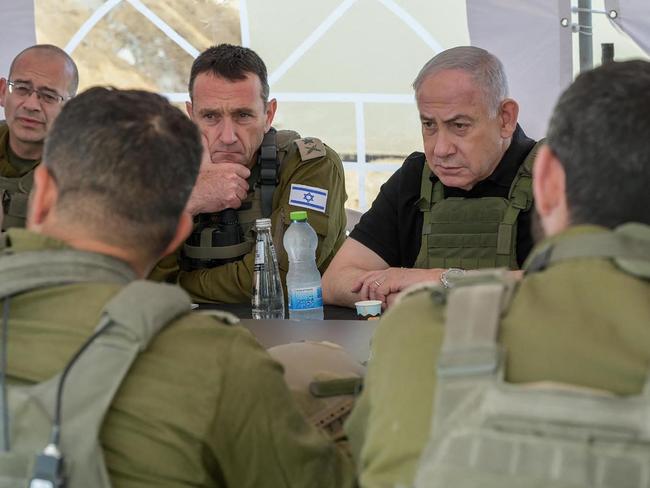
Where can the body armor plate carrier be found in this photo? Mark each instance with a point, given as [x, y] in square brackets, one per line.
[472, 233]
[488, 433]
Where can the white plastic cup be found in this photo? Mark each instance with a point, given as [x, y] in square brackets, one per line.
[367, 308]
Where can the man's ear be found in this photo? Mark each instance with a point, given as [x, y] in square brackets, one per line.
[3, 91]
[271, 107]
[188, 109]
[509, 112]
[549, 190]
[42, 198]
[183, 230]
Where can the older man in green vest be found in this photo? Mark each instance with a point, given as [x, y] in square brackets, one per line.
[462, 204]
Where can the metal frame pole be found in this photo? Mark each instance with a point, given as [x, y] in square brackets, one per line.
[585, 38]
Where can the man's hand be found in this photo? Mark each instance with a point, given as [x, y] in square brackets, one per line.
[385, 284]
[218, 186]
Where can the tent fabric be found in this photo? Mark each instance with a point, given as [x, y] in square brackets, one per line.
[632, 18]
[539, 68]
[18, 32]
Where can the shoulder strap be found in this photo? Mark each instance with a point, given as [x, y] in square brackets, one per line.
[310, 148]
[470, 357]
[474, 308]
[520, 198]
[130, 320]
[38, 269]
[628, 246]
[269, 169]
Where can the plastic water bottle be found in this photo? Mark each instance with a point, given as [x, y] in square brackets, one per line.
[303, 280]
[268, 298]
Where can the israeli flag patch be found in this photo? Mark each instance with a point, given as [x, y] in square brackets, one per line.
[308, 197]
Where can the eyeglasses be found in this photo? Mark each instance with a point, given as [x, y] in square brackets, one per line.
[24, 90]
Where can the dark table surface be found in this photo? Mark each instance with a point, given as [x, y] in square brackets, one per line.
[243, 311]
[341, 326]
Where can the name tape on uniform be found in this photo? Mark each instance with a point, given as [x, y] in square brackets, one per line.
[308, 197]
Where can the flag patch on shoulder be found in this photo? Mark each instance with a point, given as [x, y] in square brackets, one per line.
[308, 197]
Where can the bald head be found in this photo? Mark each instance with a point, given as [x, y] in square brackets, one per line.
[48, 51]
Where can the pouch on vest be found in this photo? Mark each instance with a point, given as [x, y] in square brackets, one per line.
[14, 195]
[489, 433]
[130, 320]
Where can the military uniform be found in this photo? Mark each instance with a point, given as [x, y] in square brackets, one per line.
[16, 179]
[204, 405]
[580, 321]
[304, 163]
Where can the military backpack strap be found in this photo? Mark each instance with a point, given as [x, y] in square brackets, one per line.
[430, 194]
[129, 322]
[39, 269]
[520, 199]
[470, 349]
[269, 170]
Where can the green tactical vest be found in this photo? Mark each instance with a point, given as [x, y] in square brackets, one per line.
[129, 321]
[14, 194]
[488, 433]
[472, 233]
[258, 204]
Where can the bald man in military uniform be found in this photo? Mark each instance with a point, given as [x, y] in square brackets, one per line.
[249, 171]
[41, 79]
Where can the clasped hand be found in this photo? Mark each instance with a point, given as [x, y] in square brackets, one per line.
[385, 284]
[219, 185]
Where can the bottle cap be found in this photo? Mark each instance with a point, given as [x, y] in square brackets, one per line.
[300, 215]
[263, 224]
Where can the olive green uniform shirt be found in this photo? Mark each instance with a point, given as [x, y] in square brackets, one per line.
[232, 282]
[11, 166]
[582, 322]
[203, 406]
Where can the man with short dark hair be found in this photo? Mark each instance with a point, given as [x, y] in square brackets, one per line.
[462, 204]
[444, 403]
[41, 79]
[249, 171]
[202, 405]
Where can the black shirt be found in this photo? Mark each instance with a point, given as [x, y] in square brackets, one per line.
[392, 227]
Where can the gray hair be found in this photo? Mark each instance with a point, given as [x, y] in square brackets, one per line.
[484, 67]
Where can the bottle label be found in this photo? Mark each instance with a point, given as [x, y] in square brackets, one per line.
[259, 252]
[305, 298]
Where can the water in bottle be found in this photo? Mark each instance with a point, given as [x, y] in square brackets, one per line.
[268, 298]
[303, 280]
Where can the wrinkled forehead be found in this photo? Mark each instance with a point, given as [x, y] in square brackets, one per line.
[43, 69]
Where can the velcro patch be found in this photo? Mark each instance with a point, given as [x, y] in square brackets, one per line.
[310, 148]
[308, 197]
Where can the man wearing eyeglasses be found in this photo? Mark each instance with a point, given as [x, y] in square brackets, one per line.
[41, 79]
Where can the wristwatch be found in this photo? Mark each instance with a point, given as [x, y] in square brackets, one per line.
[450, 275]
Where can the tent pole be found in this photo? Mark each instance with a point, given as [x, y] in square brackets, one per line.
[585, 41]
